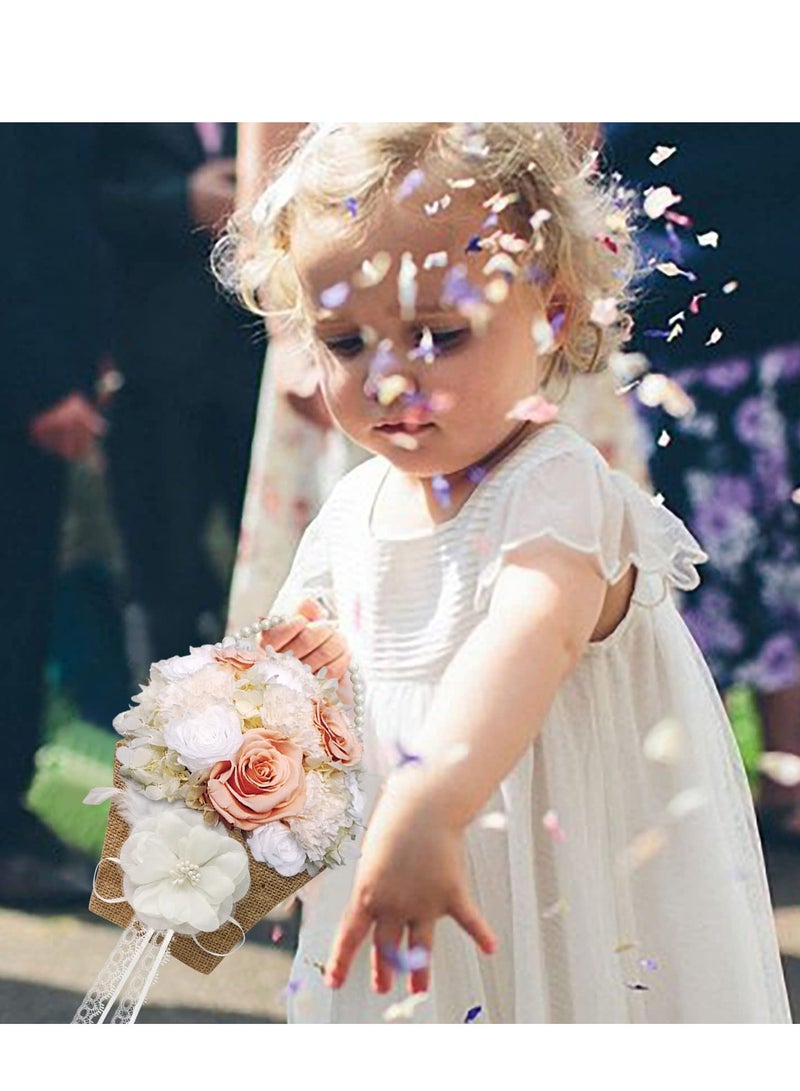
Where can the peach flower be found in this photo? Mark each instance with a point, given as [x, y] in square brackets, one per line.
[239, 658]
[338, 739]
[264, 781]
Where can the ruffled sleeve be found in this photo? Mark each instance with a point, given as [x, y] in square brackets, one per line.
[310, 574]
[570, 497]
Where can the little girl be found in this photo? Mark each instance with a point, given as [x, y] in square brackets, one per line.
[560, 826]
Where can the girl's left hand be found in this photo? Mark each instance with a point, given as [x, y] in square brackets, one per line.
[411, 873]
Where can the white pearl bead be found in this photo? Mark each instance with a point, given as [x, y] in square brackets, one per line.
[263, 625]
[218, 645]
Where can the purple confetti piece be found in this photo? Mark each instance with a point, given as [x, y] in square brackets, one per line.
[406, 757]
[383, 358]
[492, 220]
[675, 246]
[656, 333]
[293, 987]
[457, 289]
[535, 274]
[351, 204]
[476, 474]
[441, 490]
[405, 962]
[473, 1014]
[557, 321]
[335, 295]
[412, 181]
[648, 964]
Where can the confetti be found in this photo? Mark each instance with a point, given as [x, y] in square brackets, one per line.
[405, 757]
[678, 218]
[605, 312]
[730, 287]
[412, 181]
[512, 244]
[609, 243]
[502, 263]
[658, 200]
[373, 270]
[351, 204]
[656, 389]
[473, 1014]
[714, 336]
[648, 964]
[441, 491]
[294, 986]
[710, 238]
[496, 820]
[782, 767]
[534, 408]
[404, 441]
[496, 291]
[694, 306]
[457, 289]
[676, 331]
[404, 1009]
[432, 207]
[500, 201]
[657, 500]
[542, 334]
[670, 269]
[392, 387]
[277, 934]
[407, 286]
[406, 962]
[335, 296]
[637, 986]
[796, 496]
[461, 183]
[664, 439]
[553, 827]
[436, 260]
[625, 945]
[643, 848]
[685, 802]
[426, 350]
[660, 154]
[476, 473]
[664, 742]
[557, 909]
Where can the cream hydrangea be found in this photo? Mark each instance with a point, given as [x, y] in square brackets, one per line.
[325, 814]
[158, 769]
[285, 670]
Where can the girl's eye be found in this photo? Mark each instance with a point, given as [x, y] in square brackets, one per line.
[347, 347]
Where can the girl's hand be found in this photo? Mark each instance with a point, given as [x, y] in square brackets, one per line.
[313, 640]
[411, 873]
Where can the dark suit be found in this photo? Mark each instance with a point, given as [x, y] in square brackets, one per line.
[52, 337]
[182, 425]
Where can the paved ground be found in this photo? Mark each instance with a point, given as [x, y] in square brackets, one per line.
[48, 962]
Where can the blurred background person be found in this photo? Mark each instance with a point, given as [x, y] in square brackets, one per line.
[721, 223]
[190, 363]
[53, 333]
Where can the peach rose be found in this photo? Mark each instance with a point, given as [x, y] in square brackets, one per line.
[338, 739]
[238, 658]
[265, 781]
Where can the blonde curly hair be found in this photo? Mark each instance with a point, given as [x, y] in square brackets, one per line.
[576, 224]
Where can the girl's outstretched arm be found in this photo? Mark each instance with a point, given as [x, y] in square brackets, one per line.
[489, 708]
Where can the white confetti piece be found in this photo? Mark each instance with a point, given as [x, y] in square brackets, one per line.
[710, 238]
[501, 263]
[656, 389]
[643, 849]
[685, 803]
[658, 500]
[404, 441]
[513, 244]
[436, 260]
[542, 335]
[714, 336]
[782, 767]
[730, 286]
[407, 287]
[373, 270]
[676, 331]
[664, 439]
[664, 742]
[334, 296]
[496, 291]
[494, 821]
[660, 154]
[605, 312]
[796, 496]
[391, 387]
[500, 201]
[670, 269]
[658, 200]
[404, 1009]
[461, 183]
[540, 218]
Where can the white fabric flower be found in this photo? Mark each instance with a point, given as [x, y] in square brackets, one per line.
[181, 873]
[213, 684]
[275, 844]
[182, 666]
[285, 670]
[203, 738]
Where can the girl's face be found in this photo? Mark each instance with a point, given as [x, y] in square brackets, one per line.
[454, 385]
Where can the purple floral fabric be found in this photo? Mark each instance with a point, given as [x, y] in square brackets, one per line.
[730, 472]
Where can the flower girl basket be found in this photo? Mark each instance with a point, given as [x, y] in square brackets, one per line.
[236, 781]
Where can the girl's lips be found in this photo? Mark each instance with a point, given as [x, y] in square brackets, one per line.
[408, 427]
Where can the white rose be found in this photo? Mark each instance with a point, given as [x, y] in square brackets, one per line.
[201, 739]
[274, 844]
[182, 666]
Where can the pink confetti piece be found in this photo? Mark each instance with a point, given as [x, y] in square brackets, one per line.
[534, 408]
[277, 934]
[694, 306]
[553, 826]
[678, 218]
[608, 242]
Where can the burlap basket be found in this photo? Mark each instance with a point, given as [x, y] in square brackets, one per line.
[267, 889]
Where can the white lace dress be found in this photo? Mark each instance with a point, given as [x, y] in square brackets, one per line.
[647, 901]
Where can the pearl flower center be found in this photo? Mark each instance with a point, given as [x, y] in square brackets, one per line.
[185, 872]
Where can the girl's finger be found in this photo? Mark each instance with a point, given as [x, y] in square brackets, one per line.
[385, 947]
[279, 636]
[326, 653]
[337, 668]
[352, 932]
[420, 938]
[312, 636]
[465, 914]
[311, 610]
